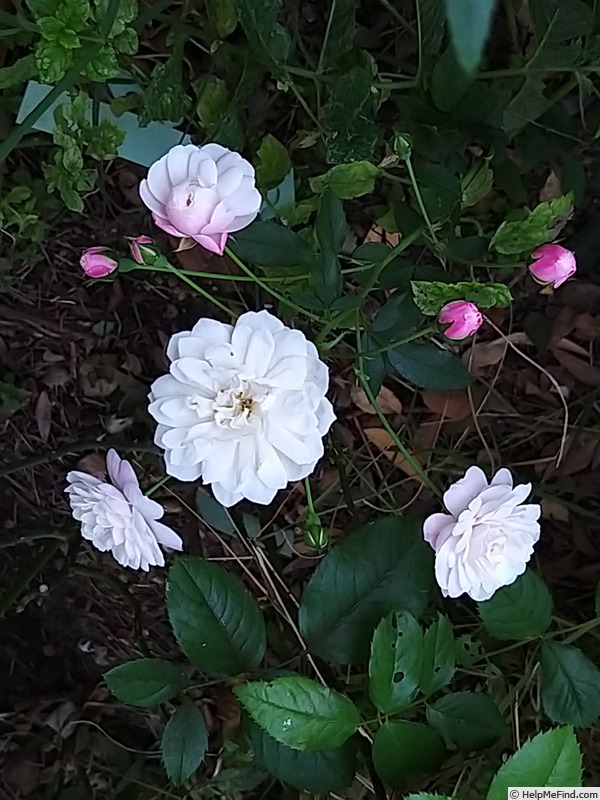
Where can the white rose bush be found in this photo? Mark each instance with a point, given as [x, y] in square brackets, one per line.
[244, 416]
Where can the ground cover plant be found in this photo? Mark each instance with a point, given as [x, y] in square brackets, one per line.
[299, 402]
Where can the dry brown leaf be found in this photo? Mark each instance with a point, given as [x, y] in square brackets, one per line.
[571, 347]
[580, 454]
[384, 442]
[553, 509]
[551, 188]
[43, 416]
[581, 370]
[386, 399]
[450, 405]
[487, 354]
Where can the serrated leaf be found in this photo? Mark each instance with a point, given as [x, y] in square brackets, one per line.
[221, 16]
[467, 719]
[429, 367]
[300, 713]
[317, 772]
[269, 244]
[469, 22]
[341, 28]
[350, 129]
[382, 567]
[215, 619]
[403, 750]
[348, 180]
[268, 39]
[184, 743]
[213, 513]
[476, 184]
[549, 759]
[165, 97]
[396, 662]
[561, 20]
[528, 105]
[23, 69]
[438, 661]
[540, 226]
[213, 100]
[522, 610]
[570, 685]
[274, 163]
[430, 296]
[330, 229]
[145, 682]
[467, 650]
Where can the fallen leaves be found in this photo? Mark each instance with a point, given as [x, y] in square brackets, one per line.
[452, 405]
[384, 442]
[386, 400]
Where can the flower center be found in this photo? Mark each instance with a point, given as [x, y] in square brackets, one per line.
[239, 405]
[190, 207]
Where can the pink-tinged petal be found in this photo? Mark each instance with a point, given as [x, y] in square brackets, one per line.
[433, 527]
[158, 180]
[166, 226]
[458, 496]
[150, 200]
[220, 220]
[463, 318]
[214, 243]
[554, 265]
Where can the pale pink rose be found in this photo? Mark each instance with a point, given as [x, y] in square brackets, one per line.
[116, 516]
[463, 317]
[138, 252]
[553, 264]
[95, 264]
[204, 192]
[487, 538]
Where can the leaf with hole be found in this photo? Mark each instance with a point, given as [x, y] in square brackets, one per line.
[549, 759]
[469, 720]
[396, 662]
[214, 618]
[403, 750]
[316, 772]
[385, 566]
[300, 713]
[570, 685]
[522, 610]
[184, 743]
[438, 656]
[145, 682]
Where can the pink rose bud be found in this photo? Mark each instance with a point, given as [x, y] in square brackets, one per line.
[464, 319]
[138, 252]
[203, 192]
[553, 265]
[95, 264]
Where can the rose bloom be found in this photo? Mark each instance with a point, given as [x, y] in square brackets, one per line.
[243, 407]
[116, 516]
[487, 538]
[203, 192]
[463, 319]
[553, 264]
[95, 264]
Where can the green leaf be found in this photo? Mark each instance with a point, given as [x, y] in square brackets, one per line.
[570, 685]
[184, 743]
[269, 244]
[440, 190]
[274, 163]
[22, 70]
[385, 566]
[403, 750]
[470, 22]
[522, 610]
[468, 651]
[52, 60]
[165, 97]
[317, 772]
[540, 226]
[145, 682]
[549, 759]
[215, 620]
[221, 16]
[268, 39]
[562, 20]
[433, 26]
[449, 82]
[350, 129]
[427, 796]
[300, 713]
[597, 601]
[429, 367]
[438, 656]
[430, 296]
[213, 100]
[330, 223]
[341, 29]
[348, 180]
[213, 513]
[396, 662]
[469, 720]
[528, 105]
[476, 184]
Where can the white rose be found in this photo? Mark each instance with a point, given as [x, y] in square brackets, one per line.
[203, 192]
[243, 407]
[487, 538]
[118, 517]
